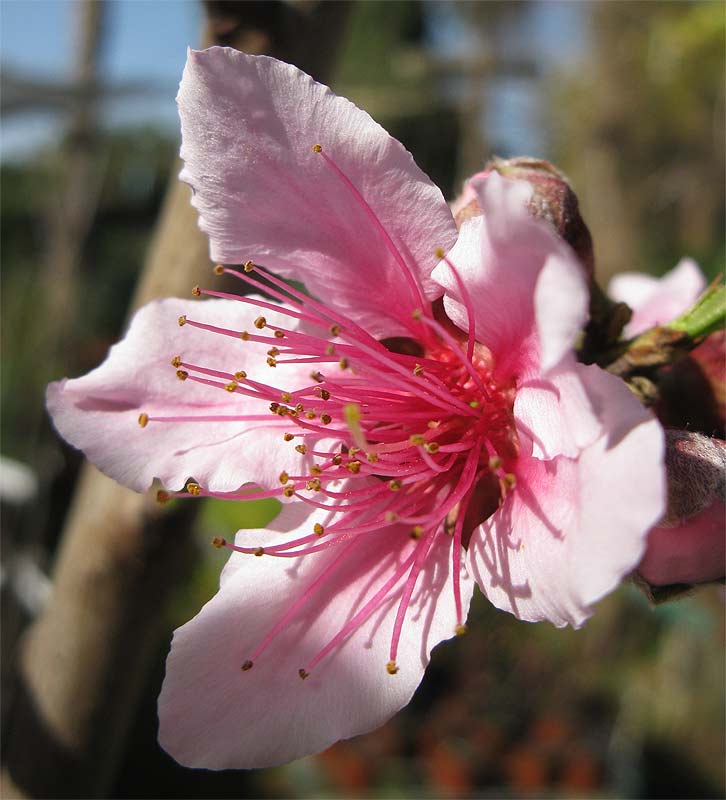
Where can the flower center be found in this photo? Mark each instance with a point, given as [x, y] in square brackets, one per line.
[413, 434]
[408, 434]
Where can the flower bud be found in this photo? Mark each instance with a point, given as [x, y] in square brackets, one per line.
[553, 200]
[688, 546]
[693, 391]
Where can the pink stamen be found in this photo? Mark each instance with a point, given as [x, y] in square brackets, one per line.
[407, 436]
[369, 608]
[466, 298]
[412, 281]
[423, 548]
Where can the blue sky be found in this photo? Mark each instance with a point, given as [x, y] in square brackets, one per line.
[146, 42]
[143, 38]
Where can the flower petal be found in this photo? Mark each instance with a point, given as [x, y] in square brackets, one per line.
[573, 528]
[526, 285]
[556, 413]
[98, 413]
[249, 124]
[214, 715]
[657, 300]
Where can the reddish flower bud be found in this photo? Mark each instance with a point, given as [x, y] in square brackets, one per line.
[688, 546]
[693, 391]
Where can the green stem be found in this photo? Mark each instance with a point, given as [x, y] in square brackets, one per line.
[706, 315]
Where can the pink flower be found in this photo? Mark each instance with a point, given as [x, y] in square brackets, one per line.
[656, 301]
[688, 544]
[446, 436]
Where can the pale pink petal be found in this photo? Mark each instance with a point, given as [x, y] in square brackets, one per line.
[98, 413]
[561, 305]
[249, 124]
[468, 193]
[526, 285]
[214, 715]
[573, 528]
[693, 552]
[656, 301]
[556, 413]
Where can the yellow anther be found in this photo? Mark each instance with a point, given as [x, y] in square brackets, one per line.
[299, 407]
[334, 330]
[284, 477]
[196, 291]
[310, 414]
[432, 447]
[244, 336]
[326, 419]
[433, 423]
[182, 374]
[417, 313]
[291, 412]
[271, 361]
[316, 376]
[218, 270]
[313, 485]
[240, 376]
[248, 266]
[231, 386]
[289, 491]
[352, 451]
[354, 467]
[416, 532]
[193, 488]
[273, 351]
[176, 361]
[337, 459]
[329, 349]
[302, 673]
[288, 437]
[418, 370]
[182, 320]
[460, 629]
[285, 397]
[259, 551]
[391, 668]
[372, 458]
[274, 407]
[260, 323]
[439, 253]
[218, 542]
[418, 439]
[494, 463]
[301, 448]
[246, 666]
[279, 334]
[391, 516]
[394, 485]
[143, 420]
[510, 480]
[318, 529]
[474, 403]
[317, 148]
[343, 363]
[162, 497]
[316, 470]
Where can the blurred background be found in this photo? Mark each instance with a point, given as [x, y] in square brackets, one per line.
[626, 98]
